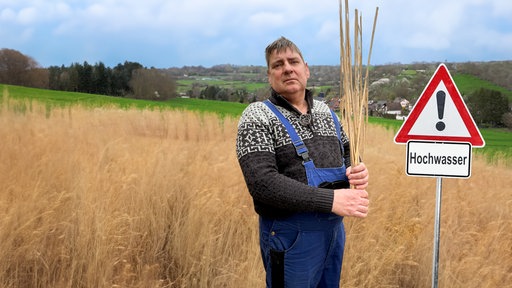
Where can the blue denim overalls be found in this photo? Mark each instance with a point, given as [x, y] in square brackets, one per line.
[305, 249]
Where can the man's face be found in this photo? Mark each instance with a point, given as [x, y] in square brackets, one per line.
[287, 73]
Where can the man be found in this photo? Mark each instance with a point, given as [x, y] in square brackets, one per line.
[293, 155]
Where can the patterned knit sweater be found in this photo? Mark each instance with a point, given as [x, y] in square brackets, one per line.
[273, 172]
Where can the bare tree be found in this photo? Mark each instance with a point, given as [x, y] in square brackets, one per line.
[38, 78]
[16, 68]
[152, 84]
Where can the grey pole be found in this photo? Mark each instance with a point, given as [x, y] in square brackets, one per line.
[437, 226]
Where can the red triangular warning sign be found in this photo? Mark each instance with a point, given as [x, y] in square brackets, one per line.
[440, 114]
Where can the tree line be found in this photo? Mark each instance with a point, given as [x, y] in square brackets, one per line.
[129, 79]
[489, 108]
[94, 79]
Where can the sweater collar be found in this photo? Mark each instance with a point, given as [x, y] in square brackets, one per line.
[279, 100]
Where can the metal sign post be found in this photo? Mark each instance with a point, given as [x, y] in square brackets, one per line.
[437, 232]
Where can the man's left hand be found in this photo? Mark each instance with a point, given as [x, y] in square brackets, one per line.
[358, 176]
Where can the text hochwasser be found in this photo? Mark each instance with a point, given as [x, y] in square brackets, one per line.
[415, 158]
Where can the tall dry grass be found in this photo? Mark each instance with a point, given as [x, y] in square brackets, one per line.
[130, 198]
[393, 246]
[115, 198]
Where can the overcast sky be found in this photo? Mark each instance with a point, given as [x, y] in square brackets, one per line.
[174, 33]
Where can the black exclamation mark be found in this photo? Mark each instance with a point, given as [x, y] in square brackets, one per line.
[441, 97]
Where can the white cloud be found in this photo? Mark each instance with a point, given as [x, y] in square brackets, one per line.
[27, 15]
[502, 8]
[201, 29]
[328, 30]
[427, 41]
[7, 15]
[267, 19]
[97, 11]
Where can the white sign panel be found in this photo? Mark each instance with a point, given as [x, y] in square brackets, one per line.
[438, 159]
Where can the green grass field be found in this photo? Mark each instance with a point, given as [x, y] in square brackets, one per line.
[498, 141]
[53, 98]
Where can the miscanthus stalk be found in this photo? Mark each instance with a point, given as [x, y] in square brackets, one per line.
[353, 84]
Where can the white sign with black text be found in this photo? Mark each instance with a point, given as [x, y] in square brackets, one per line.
[438, 159]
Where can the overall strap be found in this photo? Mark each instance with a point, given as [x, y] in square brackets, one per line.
[338, 129]
[300, 147]
[336, 124]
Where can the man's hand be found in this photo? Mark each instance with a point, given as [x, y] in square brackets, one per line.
[350, 202]
[358, 176]
[353, 202]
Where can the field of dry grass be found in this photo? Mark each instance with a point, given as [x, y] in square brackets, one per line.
[131, 198]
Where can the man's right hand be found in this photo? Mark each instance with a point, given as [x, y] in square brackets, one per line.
[350, 202]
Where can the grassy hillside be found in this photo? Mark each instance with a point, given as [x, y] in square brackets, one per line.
[466, 83]
[498, 141]
[469, 83]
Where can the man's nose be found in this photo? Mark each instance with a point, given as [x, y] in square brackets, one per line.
[288, 68]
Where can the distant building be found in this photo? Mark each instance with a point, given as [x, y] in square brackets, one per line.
[393, 108]
[404, 103]
[382, 107]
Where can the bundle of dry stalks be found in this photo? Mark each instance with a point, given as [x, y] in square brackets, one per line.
[353, 87]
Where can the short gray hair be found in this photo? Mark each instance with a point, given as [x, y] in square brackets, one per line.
[281, 45]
